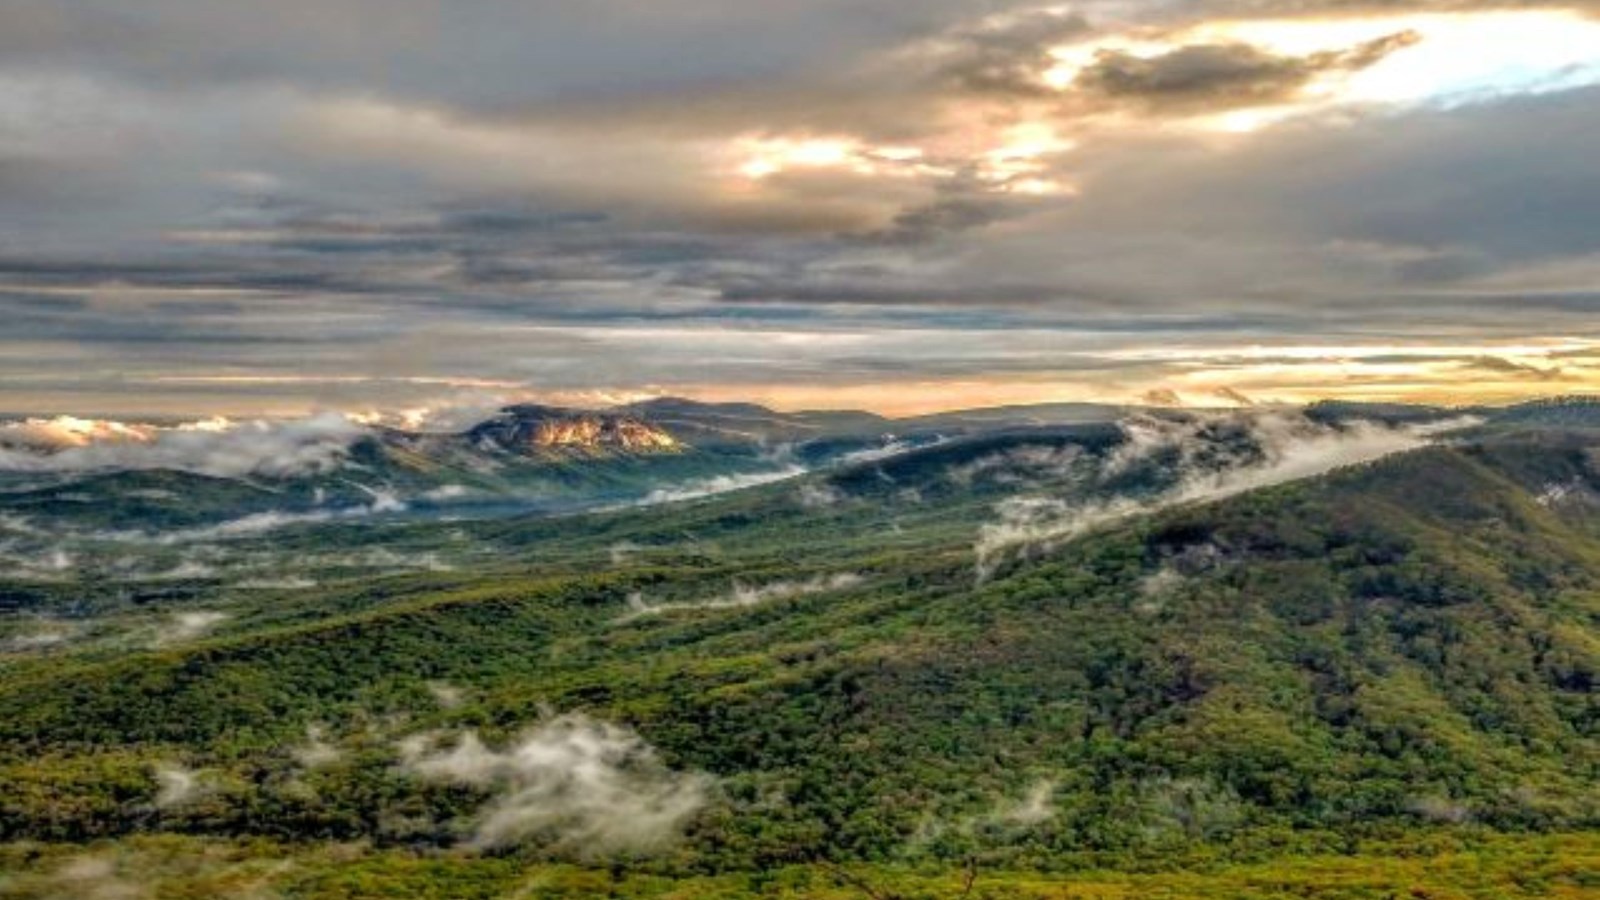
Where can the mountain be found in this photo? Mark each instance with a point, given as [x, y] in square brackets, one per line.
[1029, 415]
[1335, 411]
[1580, 412]
[532, 429]
[527, 457]
[739, 423]
[80, 475]
[1075, 647]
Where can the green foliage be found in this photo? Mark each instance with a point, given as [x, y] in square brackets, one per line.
[1406, 648]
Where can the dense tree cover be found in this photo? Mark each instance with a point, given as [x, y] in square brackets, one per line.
[1404, 647]
[1422, 864]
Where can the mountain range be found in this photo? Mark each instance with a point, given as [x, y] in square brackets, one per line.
[823, 654]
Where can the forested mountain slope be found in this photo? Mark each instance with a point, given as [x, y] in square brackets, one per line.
[1407, 644]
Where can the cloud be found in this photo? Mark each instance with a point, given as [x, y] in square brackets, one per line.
[742, 596]
[1020, 464]
[316, 752]
[185, 570]
[446, 695]
[186, 626]
[720, 484]
[53, 564]
[227, 211]
[1222, 76]
[1502, 366]
[1035, 808]
[1439, 809]
[46, 634]
[1254, 450]
[819, 496]
[579, 785]
[95, 878]
[1232, 396]
[889, 448]
[178, 786]
[1007, 54]
[215, 447]
[291, 583]
[256, 524]
[621, 551]
[447, 492]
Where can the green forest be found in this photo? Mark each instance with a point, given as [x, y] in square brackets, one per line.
[1378, 682]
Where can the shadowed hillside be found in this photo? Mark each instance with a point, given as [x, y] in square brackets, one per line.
[1407, 644]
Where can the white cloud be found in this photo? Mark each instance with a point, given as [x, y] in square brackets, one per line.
[741, 595]
[187, 626]
[448, 696]
[291, 583]
[315, 752]
[447, 492]
[95, 878]
[256, 524]
[818, 496]
[580, 785]
[1291, 447]
[177, 786]
[720, 484]
[215, 447]
[621, 551]
[1038, 806]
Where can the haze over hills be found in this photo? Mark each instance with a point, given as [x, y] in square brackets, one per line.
[868, 450]
[805, 637]
[161, 505]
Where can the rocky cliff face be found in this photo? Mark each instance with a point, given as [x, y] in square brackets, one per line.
[529, 427]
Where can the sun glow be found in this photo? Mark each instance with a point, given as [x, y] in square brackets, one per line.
[763, 157]
[1017, 159]
[1019, 163]
[1448, 58]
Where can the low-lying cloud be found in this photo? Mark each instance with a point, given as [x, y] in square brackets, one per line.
[1275, 448]
[742, 596]
[256, 524]
[819, 496]
[216, 447]
[316, 752]
[177, 786]
[720, 484]
[291, 583]
[576, 784]
[186, 626]
[53, 564]
[1036, 807]
[45, 634]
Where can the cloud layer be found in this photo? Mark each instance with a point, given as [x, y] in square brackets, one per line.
[1198, 464]
[355, 203]
[213, 447]
[584, 786]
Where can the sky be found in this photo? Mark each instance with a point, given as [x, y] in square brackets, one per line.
[226, 207]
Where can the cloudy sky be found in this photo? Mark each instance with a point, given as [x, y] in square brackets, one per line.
[219, 206]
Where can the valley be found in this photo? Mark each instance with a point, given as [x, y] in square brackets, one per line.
[1205, 654]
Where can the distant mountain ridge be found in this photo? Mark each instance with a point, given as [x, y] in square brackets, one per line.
[546, 458]
[536, 427]
[1403, 643]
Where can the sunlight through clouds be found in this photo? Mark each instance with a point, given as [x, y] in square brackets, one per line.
[1437, 59]
[1021, 202]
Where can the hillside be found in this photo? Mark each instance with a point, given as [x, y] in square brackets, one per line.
[823, 669]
